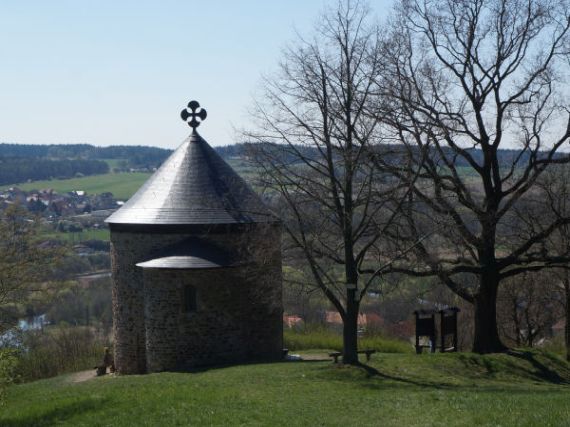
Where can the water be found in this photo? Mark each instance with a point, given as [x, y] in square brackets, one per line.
[11, 338]
[36, 322]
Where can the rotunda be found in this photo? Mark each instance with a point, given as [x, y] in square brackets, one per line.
[196, 266]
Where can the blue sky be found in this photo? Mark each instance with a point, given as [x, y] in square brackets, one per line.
[119, 72]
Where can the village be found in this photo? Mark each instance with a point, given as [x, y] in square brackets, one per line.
[48, 204]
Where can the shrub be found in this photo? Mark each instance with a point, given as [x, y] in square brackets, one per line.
[319, 337]
[59, 349]
[8, 367]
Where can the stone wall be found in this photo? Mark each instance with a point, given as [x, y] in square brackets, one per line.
[239, 313]
[235, 319]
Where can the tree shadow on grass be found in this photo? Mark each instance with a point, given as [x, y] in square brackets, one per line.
[558, 374]
[543, 372]
[219, 366]
[467, 373]
[56, 415]
[372, 372]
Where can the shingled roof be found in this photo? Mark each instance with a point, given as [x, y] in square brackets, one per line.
[193, 186]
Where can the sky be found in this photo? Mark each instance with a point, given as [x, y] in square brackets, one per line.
[119, 72]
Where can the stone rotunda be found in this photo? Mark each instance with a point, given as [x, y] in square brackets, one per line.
[196, 265]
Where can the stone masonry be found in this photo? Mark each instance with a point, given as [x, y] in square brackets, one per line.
[239, 309]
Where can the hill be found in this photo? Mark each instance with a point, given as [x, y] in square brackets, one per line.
[134, 156]
[525, 388]
[150, 157]
[23, 169]
[122, 185]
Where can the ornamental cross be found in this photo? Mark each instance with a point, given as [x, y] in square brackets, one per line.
[194, 123]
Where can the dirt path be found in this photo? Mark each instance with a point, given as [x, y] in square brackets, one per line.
[315, 357]
[82, 376]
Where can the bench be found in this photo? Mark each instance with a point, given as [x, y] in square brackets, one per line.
[367, 352]
[335, 355]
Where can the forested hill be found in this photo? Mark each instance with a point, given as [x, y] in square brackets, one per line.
[21, 169]
[135, 156]
[506, 157]
[23, 162]
[138, 156]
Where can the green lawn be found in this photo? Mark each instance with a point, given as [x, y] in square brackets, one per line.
[80, 236]
[122, 185]
[529, 389]
[319, 337]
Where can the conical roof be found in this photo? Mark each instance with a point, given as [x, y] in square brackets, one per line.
[193, 186]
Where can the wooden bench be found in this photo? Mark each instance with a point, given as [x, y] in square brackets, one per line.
[335, 355]
[367, 352]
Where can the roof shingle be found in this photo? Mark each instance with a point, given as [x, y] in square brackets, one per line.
[193, 186]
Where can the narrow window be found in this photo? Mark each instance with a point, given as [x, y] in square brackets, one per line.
[189, 299]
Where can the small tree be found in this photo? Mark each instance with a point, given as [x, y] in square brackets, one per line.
[24, 265]
[461, 80]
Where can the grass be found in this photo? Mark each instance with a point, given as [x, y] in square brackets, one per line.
[59, 349]
[524, 389]
[245, 169]
[122, 185]
[77, 237]
[326, 339]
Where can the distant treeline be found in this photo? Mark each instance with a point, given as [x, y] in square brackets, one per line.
[134, 156]
[67, 160]
[14, 169]
[391, 153]
[228, 151]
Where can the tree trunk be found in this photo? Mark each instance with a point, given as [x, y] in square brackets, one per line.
[567, 326]
[486, 338]
[516, 321]
[350, 329]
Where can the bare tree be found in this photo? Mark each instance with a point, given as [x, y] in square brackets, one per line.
[462, 80]
[555, 186]
[314, 147]
[528, 308]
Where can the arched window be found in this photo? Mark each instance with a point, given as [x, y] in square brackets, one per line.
[189, 299]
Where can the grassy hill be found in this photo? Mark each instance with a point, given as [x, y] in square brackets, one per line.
[122, 185]
[526, 388]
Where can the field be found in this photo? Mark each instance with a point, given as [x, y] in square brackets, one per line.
[122, 185]
[76, 237]
[523, 389]
[323, 338]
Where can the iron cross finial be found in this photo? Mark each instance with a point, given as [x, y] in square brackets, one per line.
[193, 123]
